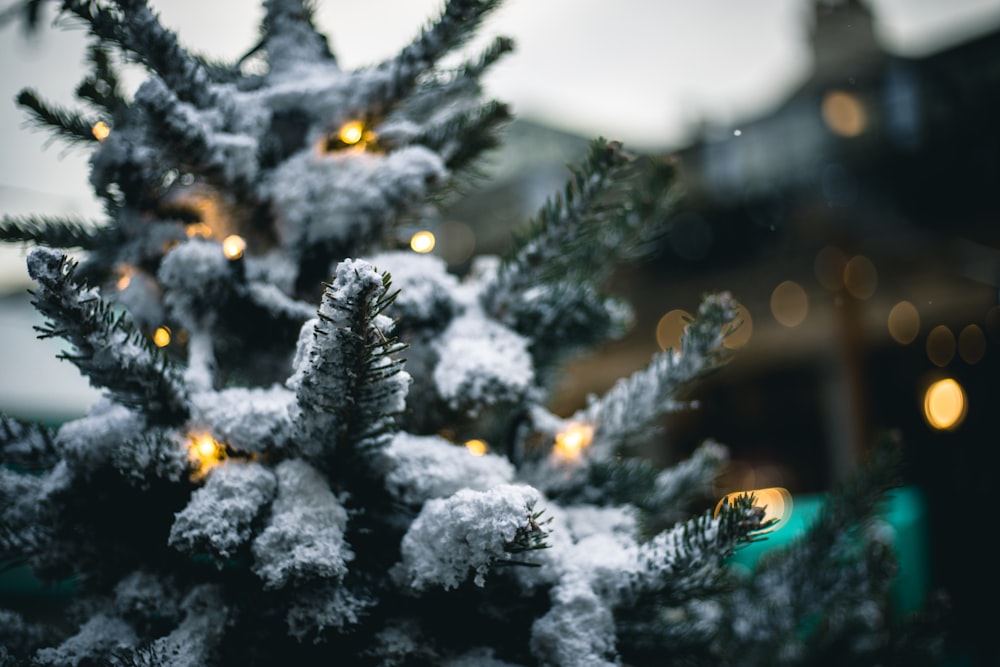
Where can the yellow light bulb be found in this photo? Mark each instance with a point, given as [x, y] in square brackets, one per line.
[572, 441]
[161, 337]
[945, 404]
[352, 132]
[101, 130]
[476, 447]
[205, 453]
[125, 273]
[233, 246]
[422, 242]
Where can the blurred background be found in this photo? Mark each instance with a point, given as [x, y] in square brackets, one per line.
[840, 162]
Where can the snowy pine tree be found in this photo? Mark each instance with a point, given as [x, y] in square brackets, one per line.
[286, 482]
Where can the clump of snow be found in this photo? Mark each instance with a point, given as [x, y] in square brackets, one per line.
[146, 595]
[421, 467]
[91, 441]
[253, 420]
[482, 363]
[481, 657]
[192, 642]
[340, 198]
[466, 532]
[194, 275]
[101, 635]
[304, 536]
[218, 518]
[325, 607]
[577, 631]
[426, 289]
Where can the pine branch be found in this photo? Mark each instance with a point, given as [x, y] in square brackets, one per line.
[462, 139]
[136, 29]
[457, 23]
[290, 35]
[108, 348]
[351, 388]
[103, 87]
[629, 412]
[54, 232]
[25, 446]
[72, 126]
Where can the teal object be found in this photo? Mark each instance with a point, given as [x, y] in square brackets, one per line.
[905, 510]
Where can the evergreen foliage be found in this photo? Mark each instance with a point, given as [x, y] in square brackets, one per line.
[284, 481]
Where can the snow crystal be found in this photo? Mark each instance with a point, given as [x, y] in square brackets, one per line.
[217, 519]
[482, 363]
[466, 531]
[250, 420]
[425, 467]
[99, 636]
[305, 533]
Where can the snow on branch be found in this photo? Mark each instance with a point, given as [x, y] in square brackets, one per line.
[349, 384]
[290, 36]
[629, 412]
[304, 537]
[217, 520]
[468, 532]
[136, 29]
[457, 23]
[108, 348]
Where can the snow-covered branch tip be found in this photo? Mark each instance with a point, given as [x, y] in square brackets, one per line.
[108, 347]
[350, 385]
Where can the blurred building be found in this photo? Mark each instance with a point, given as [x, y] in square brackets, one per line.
[858, 224]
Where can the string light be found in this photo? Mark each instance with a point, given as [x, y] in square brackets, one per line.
[945, 404]
[776, 502]
[476, 447]
[572, 441]
[422, 242]
[233, 246]
[352, 132]
[101, 130]
[125, 273]
[205, 453]
[161, 337]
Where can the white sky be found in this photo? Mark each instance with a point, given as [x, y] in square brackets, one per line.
[641, 71]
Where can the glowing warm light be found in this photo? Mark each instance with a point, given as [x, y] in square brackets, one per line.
[101, 130]
[571, 442]
[940, 345]
[476, 447]
[161, 337]
[971, 344]
[945, 404]
[352, 132]
[743, 329]
[670, 328]
[125, 273]
[789, 303]
[844, 114]
[776, 501]
[904, 323]
[205, 452]
[233, 246]
[199, 229]
[422, 242]
[860, 277]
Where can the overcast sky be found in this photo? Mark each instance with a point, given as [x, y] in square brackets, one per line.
[641, 71]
